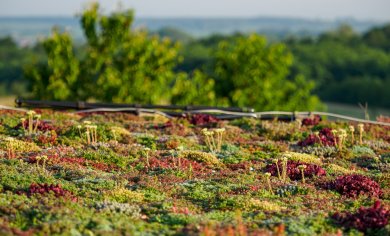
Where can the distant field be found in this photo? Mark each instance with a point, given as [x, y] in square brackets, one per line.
[344, 109]
[356, 111]
[7, 101]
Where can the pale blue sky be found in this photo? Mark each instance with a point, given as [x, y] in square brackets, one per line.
[321, 9]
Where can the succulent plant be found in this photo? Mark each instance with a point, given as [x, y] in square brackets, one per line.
[355, 185]
[203, 120]
[287, 190]
[122, 208]
[315, 120]
[325, 137]
[365, 219]
[294, 173]
[57, 190]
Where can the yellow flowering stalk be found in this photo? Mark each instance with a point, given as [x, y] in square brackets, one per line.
[302, 169]
[267, 176]
[352, 130]
[361, 130]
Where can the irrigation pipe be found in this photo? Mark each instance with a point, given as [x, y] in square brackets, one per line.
[141, 110]
[245, 114]
[257, 115]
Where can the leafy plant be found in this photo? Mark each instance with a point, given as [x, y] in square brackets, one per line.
[324, 137]
[251, 73]
[365, 219]
[293, 172]
[355, 185]
[43, 189]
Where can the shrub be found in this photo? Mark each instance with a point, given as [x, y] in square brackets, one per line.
[365, 219]
[355, 185]
[251, 72]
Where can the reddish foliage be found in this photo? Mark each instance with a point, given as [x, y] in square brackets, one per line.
[73, 160]
[239, 166]
[375, 217]
[50, 138]
[355, 185]
[175, 126]
[103, 166]
[246, 189]
[385, 119]
[55, 159]
[325, 137]
[43, 189]
[293, 171]
[202, 119]
[42, 125]
[311, 121]
[180, 210]
[165, 125]
[6, 229]
[175, 163]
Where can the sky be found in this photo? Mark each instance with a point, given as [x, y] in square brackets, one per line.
[314, 9]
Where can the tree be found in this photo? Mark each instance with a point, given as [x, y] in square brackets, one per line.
[120, 64]
[249, 72]
[378, 37]
[197, 89]
[58, 79]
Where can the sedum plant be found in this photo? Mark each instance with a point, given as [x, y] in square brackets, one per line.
[355, 185]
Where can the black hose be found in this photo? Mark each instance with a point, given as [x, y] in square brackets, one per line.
[20, 102]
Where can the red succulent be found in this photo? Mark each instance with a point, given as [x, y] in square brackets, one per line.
[293, 171]
[324, 137]
[375, 217]
[202, 119]
[315, 120]
[43, 189]
[355, 185]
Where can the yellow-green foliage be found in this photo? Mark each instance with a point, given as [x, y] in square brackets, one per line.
[155, 118]
[123, 195]
[338, 170]
[20, 146]
[120, 131]
[265, 205]
[276, 128]
[204, 157]
[302, 157]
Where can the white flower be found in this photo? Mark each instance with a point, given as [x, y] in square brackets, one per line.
[30, 112]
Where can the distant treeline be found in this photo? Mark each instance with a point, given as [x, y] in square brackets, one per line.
[346, 66]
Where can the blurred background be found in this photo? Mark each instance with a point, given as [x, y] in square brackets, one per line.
[271, 55]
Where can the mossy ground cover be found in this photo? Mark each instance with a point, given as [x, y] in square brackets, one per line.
[121, 174]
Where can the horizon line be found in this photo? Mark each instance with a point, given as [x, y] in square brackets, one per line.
[344, 18]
